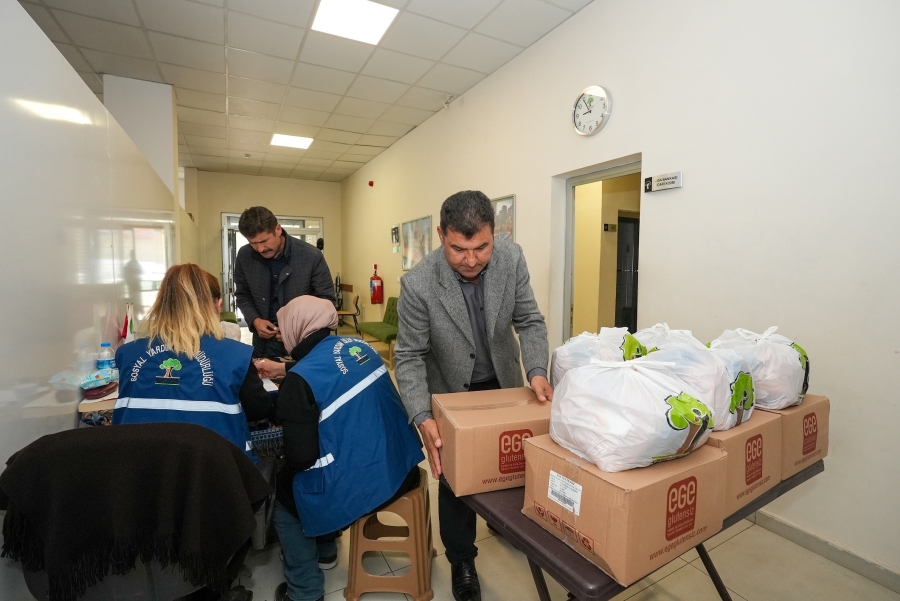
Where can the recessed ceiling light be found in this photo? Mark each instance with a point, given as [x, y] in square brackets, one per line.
[359, 20]
[54, 112]
[292, 141]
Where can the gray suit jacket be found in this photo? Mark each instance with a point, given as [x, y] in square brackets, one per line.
[435, 351]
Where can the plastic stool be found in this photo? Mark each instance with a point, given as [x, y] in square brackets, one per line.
[414, 507]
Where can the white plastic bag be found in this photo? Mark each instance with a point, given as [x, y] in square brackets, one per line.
[622, 415]
[779, 366]
[611, 344]
[661, 337]
[720, 377]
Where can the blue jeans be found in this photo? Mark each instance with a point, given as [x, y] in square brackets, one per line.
[305, 581]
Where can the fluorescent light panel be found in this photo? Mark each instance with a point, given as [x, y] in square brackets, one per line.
[359, 20]
[292, 141]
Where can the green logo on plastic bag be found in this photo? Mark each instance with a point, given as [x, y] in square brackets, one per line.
[686, 412]
[742, 396]
[804, 363]
[632, 348]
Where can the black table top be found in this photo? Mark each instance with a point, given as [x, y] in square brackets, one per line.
[502, 509]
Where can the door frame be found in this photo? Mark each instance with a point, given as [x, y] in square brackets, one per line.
[568, 277]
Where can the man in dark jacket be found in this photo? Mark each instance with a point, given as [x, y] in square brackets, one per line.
[269, 272]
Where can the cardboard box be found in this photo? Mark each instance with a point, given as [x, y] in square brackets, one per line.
[628, 523]
[483, 432]
[804, 434]
[754, 458]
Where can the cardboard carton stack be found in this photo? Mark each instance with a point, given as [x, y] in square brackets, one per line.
[804, 432]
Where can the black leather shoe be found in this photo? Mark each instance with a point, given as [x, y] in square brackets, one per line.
[281, 593]
[464, 580]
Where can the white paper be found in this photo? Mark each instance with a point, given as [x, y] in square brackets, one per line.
[269, 385]
[565, 492]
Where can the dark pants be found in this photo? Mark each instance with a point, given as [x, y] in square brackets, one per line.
[457, 519]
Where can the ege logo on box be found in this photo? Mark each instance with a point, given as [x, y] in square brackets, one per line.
[681, 507]
[753, 455]
[810, 433]
[512, 455]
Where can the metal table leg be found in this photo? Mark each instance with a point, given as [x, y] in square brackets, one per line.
[713, 573]
[539, 582]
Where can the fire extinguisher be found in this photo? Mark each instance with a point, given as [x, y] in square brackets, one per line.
[376, 288]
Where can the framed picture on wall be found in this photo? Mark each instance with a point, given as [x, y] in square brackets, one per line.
[415, 241]
[505, 218]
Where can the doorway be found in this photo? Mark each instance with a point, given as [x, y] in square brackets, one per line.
[602, 238]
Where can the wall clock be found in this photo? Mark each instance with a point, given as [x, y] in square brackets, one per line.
[591, 110]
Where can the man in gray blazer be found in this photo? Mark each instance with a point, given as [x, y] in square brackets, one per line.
[272, 270]
[457, 311]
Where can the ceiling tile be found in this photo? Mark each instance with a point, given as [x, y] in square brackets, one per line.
[258, 35]
[208, 152]
[293, 114]
[187, 53]
[394, 3]
[202, 161]
[200, 100]
[291, 12]
[322, 154]
[348, 165]
[93, 81]
[356, 107]
[188, 19]
[242, 162]
[389, 128]
[329, 146]
[370, 150]
[200, 141]
[185, 161]
[332, 177]
[43, 19]
[123, 66]
[388, 64]
[246, 135]
[266, 125]
[295, 129]
[286, 152]
[74, 57]
[279, 161]
[208, 131]
[309, 99]
[356, 158]
[573, 5]
[253, 108]
[315, 162]
[182, 149]
[421, 98]
[334, 135]
[522, 22]
[481, 53]
[370, 140]
[255, 89]
[111, 10]
[190, 115]
[306, 172]
[462, 13]
[447, 78]
[322, 79]
[347, 123]
[258, 66]
[332, 51]
[88, 32]
[193, 79]
[275, 171]
[402, 114]
[238, 148]
[381, 90]
[421, 37]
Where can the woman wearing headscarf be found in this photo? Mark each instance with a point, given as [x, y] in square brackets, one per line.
[348, 445]
[186, 371]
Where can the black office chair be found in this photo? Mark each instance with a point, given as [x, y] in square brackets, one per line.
[179, 495]
[354, 314]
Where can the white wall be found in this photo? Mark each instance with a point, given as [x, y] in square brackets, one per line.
[783, 118]
[67, 188]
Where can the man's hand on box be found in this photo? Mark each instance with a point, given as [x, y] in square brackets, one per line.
[432, 439]
[542, 388]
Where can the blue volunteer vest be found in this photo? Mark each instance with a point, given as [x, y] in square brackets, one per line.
[366, 444]
[156, 385]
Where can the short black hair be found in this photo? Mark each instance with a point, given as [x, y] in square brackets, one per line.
[255, 221]
[467, 212]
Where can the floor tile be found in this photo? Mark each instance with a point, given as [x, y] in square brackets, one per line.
[339, 596]
[762, 566]
[267, 573]
[718, 539]
[685, 584]
[648, 581]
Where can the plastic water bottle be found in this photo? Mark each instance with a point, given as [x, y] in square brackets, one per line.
[106, 359]
[85, 363]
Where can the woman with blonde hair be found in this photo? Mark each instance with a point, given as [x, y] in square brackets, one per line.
[185, 371]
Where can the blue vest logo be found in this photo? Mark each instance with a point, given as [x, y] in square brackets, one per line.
[356, 353]
[168, 379]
